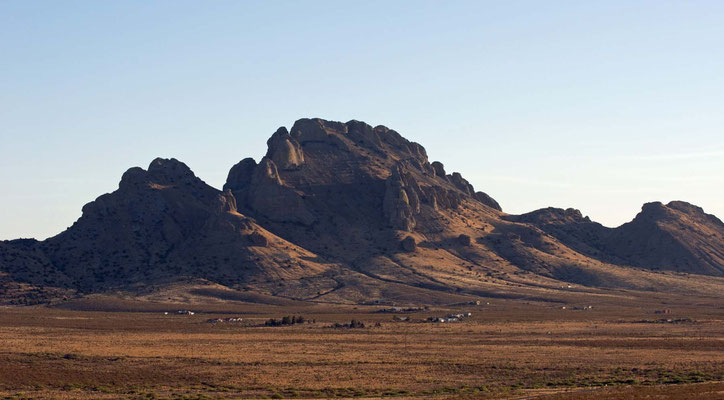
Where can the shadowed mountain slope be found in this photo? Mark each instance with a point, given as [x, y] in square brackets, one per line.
[161, 223]
[677, 236]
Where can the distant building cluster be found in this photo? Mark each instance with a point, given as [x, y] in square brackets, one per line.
[585, 308]
[401, 309]
[181, 312]
[450, 318]
[222, 320]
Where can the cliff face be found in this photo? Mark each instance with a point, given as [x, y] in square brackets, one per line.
[347, 212]
[342, 189]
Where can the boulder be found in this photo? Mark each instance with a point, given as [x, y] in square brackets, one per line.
[464, 240]
[409, 244]
[439, 169]
[257, 239]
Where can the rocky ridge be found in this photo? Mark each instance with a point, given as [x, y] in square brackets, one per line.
[347, 212]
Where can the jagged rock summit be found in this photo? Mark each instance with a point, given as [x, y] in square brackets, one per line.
[350, 213]
[320, 159]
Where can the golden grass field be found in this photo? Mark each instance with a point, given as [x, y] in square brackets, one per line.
[508, 349]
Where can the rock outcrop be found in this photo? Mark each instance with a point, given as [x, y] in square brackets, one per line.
[257, 239]
[284, 150]
[487, 200]
[262, 189]
[439, 169]
[240, 175]
[325, 181]
[465, 240]
[409, 244]
[401, 202]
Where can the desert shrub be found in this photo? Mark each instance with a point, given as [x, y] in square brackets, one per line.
[286, 320]
[353, 324]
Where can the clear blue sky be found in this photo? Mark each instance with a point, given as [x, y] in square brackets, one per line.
[597, 105]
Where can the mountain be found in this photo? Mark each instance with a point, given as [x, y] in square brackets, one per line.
[349, 213]
[677, 237]
[163, 223]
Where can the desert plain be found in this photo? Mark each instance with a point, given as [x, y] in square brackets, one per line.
[582, 347]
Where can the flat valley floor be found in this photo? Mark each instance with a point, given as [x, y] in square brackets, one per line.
[512, 349]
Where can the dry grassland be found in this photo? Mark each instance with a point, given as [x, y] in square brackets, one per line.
[515, 351]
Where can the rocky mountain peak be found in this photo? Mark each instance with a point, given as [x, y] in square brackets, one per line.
[240, 174]
[654, 209]
[161, 171]
[170, 170]
[307, 130]
[346, 158]
[284, 150]
[692, 210]
[675, 212]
